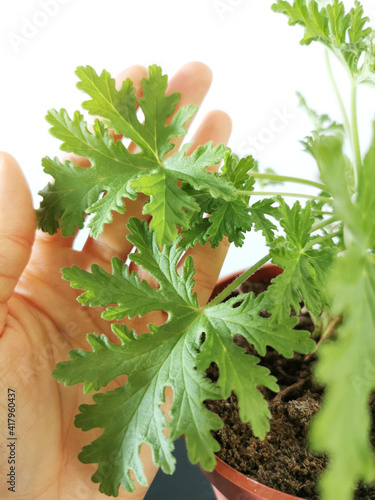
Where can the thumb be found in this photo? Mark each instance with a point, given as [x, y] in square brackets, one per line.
[17, 227]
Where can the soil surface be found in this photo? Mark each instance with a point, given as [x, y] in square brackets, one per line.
[282, 460]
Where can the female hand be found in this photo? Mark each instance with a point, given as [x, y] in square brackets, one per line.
[40, 321]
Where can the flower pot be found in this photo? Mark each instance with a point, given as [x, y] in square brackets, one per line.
[228, 483]
[265, 273]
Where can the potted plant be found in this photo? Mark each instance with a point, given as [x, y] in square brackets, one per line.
[324, 246]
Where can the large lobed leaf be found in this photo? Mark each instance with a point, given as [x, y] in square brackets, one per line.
[76, 190]
[115, 173]
[345, 365]
[174, 355]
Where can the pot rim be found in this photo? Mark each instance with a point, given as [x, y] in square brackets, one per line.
[250, 485]
[267, 271]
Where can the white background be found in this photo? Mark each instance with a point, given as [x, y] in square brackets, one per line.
[255, 57]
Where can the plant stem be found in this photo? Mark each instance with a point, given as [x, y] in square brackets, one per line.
[355, 136]
[330, 330]
[338, 97]
[296, 195]
[323, 223]
[320, 212]
[243, 277]
[229, 289]
[318, 240]
[283, 178]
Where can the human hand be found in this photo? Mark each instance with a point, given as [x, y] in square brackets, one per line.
[40, 320]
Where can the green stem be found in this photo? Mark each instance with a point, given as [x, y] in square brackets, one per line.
[320, 212]
[243, 277]
[355, 137]
[296, 195]
[323, 223]
[320, 239]
[229, 289]
[338, 97]
[283, 178]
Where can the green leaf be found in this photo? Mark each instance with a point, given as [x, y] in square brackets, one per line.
[171, 206]
[206, 191]
[233, 363]
[337, 173]
[342, 427]
[343, 33]
[101, 365]
[241, 315]
[103, 289]
[296, 222]
[238, 172]
[308, 15]
[192, 169]
[115, 173]
[346, 368]
[67, 198]
[161, 264]
[321, 123]
[197, 233]
[131, 295]
[227, 217]
[157, 107]
[174, 355]
[168, 205]
[357, 22]
[305, 268]
[366, 195]
[230, 219]
[258, 212]
[152, 363]
[118, 109]
[76, 190]
[339, 22]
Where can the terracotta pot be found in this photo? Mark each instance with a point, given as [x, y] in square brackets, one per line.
[265, 273]
[228, 483]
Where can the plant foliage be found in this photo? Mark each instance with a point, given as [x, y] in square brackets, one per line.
[325, 248]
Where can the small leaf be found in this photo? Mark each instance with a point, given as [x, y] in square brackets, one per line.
[305, 269]
[343, 33]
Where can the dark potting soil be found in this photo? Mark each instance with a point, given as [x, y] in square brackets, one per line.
[282, 460]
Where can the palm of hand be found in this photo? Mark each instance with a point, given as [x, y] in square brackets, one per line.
[43, 323]
[40, 321]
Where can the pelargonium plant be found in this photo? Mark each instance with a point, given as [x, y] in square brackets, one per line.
[325, 246]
